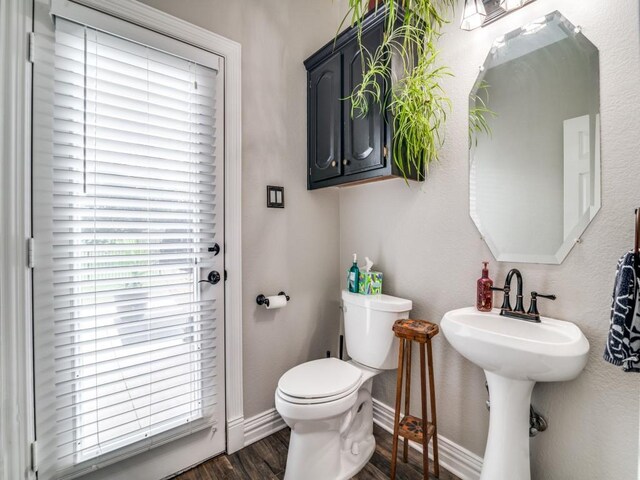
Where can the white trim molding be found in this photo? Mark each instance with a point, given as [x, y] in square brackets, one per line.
[16, 373]
[161, 22]
[455, 458]
[262, 425]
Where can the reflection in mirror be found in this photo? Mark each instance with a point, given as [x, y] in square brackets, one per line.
[534, 133]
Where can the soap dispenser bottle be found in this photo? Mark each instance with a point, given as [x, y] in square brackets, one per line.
[484, 301]
[354, 275]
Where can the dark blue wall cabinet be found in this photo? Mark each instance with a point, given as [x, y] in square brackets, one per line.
[343, 148]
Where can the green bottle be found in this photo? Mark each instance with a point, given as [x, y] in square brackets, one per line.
[354, 275]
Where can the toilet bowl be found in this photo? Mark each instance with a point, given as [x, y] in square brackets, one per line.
[327, 402]
[331, 433]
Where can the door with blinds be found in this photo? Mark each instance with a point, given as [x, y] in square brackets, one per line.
[128, 232]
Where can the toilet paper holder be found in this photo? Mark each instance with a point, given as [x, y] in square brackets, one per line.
[262, 300]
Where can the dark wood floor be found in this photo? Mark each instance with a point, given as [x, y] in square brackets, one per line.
[266, 459]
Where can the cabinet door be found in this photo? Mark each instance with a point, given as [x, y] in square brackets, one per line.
[325, 119]
[363, 136]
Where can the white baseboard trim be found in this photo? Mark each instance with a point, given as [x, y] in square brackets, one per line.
[262, 425]
[456, 459]
[235, 434]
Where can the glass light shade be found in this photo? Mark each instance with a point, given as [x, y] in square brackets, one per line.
[473, 14]
[511, 4]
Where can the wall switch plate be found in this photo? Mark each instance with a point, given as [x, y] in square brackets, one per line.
[275, 197]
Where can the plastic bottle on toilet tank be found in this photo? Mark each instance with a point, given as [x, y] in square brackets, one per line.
[354, 276]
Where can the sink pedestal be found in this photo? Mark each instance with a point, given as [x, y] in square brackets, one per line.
[514, 355]
[507, 454]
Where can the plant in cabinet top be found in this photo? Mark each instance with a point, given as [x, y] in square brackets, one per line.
[416, 100]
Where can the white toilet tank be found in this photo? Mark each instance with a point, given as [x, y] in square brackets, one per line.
[368, 323]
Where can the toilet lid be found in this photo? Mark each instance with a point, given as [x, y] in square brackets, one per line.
[327, 377]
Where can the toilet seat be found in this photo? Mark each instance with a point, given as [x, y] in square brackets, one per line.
[319, 381]
[315, 401]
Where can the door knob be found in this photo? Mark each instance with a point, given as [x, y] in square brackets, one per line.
[212, 278]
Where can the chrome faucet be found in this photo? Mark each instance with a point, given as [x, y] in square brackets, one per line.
[532, 315]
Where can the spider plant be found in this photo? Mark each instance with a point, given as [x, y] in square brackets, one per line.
[478, 113]
[416, 100]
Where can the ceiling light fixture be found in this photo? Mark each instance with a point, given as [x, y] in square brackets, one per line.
[478, 13]
[473, 14]
[509, 5]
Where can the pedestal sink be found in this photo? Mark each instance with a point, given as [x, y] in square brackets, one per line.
[514, 354]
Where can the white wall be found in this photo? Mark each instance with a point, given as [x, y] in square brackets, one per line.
[295, 249]
[431, 252]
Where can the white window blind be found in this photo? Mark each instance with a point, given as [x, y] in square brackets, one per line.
[135, 206]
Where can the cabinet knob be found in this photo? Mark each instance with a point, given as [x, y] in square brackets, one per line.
[333, 163]
[345, 162]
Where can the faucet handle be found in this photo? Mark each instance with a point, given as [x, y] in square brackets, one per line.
[533, 308]
[506, 302]
[550, 297]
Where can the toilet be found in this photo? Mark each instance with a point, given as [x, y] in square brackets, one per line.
[327, 402]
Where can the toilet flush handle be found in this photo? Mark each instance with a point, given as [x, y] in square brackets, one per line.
[355, 448]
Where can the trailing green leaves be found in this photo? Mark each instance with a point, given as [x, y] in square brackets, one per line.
[478, 113]
[417, 102]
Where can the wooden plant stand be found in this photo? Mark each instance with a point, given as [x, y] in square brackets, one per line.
[420, 430]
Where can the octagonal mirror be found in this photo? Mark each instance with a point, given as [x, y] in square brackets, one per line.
[534, 133]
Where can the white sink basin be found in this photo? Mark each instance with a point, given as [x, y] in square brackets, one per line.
[549, 351]
[514, 354]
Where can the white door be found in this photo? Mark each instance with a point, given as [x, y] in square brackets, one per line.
[577, 171]
[128, 225]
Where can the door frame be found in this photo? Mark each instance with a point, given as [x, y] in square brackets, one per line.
[16, 360]
[16, 366]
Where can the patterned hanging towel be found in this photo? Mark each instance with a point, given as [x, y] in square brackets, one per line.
[623, 343]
